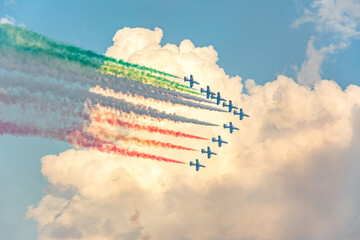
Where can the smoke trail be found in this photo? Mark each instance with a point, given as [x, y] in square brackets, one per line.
[80, 96]
[135, 74]
[77, 138]
[143, 68]
[72, 73]
[150, 143]
[103, 133]
[112, 121]
[83, 140]
[21, 39]
[25, 39]
[113, 149]
[118, 95]
[23, 130]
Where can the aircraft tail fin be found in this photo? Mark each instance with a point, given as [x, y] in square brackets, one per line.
[192, 164]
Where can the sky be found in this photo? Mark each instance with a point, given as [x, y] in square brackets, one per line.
[303, 125]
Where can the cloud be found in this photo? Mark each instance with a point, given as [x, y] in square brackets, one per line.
[7, 20]
[10, 20]
[140, 39]
[142, 46]
[310, 71]
[338, 17]
[291, 172]
[341, 20]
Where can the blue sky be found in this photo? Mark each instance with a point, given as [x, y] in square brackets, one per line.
[248, 35]
[253, 39]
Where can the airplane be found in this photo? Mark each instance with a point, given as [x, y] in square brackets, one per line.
[219, 141]
[218, 98]
[230, 105]
[208, 152]
[230, 127]
[207, 91]
[197, 164]
[241, 114]
[191, 80]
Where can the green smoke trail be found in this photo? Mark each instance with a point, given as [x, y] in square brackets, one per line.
[23, 40]
[143, 68]
[135, 74]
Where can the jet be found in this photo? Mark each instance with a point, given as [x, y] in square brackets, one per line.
[208, 152]
[207, 91]
[230, 127]
[191, 80]
[230, 105]
[218, 98]
[241, 114]
[219, 141]
[197, 164]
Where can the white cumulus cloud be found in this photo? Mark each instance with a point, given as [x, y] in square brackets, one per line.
[340, 19]
[7, 20]
[291, 172]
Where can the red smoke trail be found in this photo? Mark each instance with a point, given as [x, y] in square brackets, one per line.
[102, 133]
[77, 138]
[16, 130]
[110, 148]
[80, 139]
[151, 129]
[22, 130]
[158, 144]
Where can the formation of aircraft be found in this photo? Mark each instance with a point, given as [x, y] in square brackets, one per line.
[208, 152]
[230, 106]
[218, 98]
[191, 81]
[230, 126]
[208, 92]
[219, 141]
[197, 165]
[241, 114]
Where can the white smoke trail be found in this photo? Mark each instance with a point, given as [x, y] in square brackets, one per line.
[80, 96]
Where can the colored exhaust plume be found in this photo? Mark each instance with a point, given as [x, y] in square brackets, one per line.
[23, 40]
[120, 70]
[26, 84]
[49, 89]
[84, 140]
[77, 138]
[151, 129]
[154, 143]
[100, 132]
